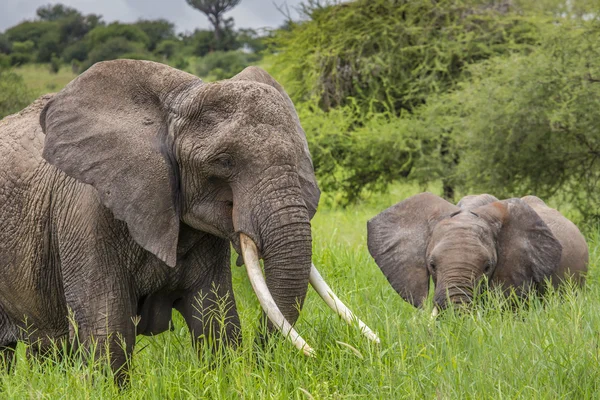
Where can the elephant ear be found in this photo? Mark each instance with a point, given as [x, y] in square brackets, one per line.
[528, 252]
[398, 238]
[308, 182]
[475, 200]
[109, 128]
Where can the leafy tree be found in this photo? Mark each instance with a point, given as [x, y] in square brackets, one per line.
[48, 46]
[201, 42]
[391, 55]
[77, 51]
[527, 123]
[74, 27]
[127, 32]
[168, 48]
[371, 64]
[215, 10]
[251, 39]
[32, 31]
[157, 31]
[224, 64]
[22, 52]
[55, 12]
[115, 47]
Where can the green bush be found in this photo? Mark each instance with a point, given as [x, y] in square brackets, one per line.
[48, 46]
[113, 48]
[224, 64]
[22, 52]
[389, 56]
[527, 124]
[168, 48]
[157, 31]
[77, 51]
[352, 159]
[33, 31]
[55, 64]
[130, 33]
[14, 95]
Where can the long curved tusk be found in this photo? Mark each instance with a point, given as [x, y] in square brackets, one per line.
[250, 255]
[321, 287]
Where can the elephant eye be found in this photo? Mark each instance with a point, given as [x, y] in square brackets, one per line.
[223, 164]
[432, 265]
[224, 161]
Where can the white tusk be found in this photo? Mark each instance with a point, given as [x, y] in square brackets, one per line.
[321, 287]
[250, 255]
[435, 312]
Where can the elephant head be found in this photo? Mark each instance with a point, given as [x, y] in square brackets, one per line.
[425, 236]
[163, 149]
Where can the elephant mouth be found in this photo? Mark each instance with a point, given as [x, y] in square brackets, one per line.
[461, 301]
[255, 275]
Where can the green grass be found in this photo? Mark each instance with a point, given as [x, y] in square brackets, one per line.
[40, 80]
[546, 349]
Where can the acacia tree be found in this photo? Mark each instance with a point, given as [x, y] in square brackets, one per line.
[215, 10]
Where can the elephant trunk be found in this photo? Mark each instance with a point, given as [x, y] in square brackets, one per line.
[276, 225]
[459, 293]
[287, 254]
[281, 228]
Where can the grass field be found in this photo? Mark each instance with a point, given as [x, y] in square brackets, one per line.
[40, 80]
[549, 348]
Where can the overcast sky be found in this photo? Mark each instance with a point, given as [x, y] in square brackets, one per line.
[248, 14]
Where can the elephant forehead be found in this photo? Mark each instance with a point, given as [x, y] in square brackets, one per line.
[462, 227]
[252, 101]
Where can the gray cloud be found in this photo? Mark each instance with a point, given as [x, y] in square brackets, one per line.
[248, 14]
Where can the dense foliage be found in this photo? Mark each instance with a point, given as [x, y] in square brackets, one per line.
[14, 94]
[481, 95]
[391, 55]
[63, 35]
[530, 123]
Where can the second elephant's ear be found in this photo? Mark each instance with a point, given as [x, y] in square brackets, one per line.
[310, 189]
[528, 252]
[398, 238]
[109, 128]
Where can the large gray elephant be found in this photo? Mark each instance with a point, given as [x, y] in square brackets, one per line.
[517, 244]
[120, 196]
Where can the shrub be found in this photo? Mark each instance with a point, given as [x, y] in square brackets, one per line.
[130, 33]
[14, 95]
[528, 124]
[77, 51]
[353, 158]
[224, 64]
[22, 52]
[113, 48]
[389, 56]
[54, 64]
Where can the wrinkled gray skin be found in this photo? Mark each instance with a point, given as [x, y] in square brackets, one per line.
[516, 243]
[120, 195]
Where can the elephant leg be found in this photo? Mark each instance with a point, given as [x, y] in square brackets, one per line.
[103, 313]
[210, 313]
[107, 331]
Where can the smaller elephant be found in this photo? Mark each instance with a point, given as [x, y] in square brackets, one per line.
[516, 243]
